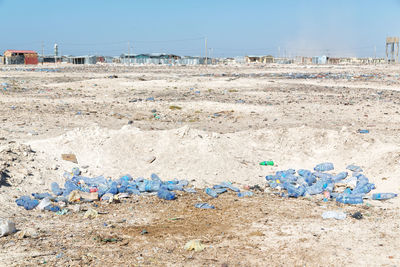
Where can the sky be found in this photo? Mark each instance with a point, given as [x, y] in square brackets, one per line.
[231, 27]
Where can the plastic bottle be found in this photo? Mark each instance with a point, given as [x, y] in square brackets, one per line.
[125, 178]
[76, 171]
[52, 208]
[354, 168]
[41, 196]
[340, 176]
[183, 183]
[267, 163]
[173, 187]
[220, 190]
[271, 177]
[113, 188]
[69, 187]
[294, 191]
[165, 194]
[322, 167]
[338, 215]
[226, 185]
[190, 190]
[316, 188]
[204, 206]
[27, 202]
[55, 188]
[149, 186]
[130, 189]
[322, 175]
[383, 196]
[245, 194]
[155, 177]
[211, 192]
[363, 189]
[349, 199]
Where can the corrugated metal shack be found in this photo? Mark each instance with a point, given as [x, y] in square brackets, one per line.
[27, 57]
[83, 60]
[320, 60]
[188, 60]
[260, 59]
[145, 59]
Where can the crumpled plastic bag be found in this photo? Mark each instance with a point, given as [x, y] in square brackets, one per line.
[91, 214]
[194, 245]
[74, 196]
[6, 227]
[44, 203]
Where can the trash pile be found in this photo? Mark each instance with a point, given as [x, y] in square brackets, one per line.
[299, 75]
[78, 188]
[355, 187]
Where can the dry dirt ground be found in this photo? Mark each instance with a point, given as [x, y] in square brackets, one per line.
[204, 124]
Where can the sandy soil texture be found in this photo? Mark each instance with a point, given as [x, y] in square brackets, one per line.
[206, 125]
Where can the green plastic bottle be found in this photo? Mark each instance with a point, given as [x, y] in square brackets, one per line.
[267, 163]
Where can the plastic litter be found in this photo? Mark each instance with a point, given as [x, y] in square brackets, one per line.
[165, 194]
[27, 202]
[383, 196]
[357, 215]
[245, 194]
[194, 245]
[69, 157]
[322, 167]
[62, 212]
[90, 214]
[44, 203]
[267, 163]
[7, 227]
[204, 206]
[346, 190]
[354, 168]
[211, 192]
[338, 215]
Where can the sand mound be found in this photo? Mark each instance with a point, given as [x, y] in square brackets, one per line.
[16, 164]
[208, 158]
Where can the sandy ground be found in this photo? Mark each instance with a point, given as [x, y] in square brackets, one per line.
[207, 125]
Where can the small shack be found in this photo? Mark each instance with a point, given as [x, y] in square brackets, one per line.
[27, 57]
[83, 60]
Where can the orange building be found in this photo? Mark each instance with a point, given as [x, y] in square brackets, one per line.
[27, 57]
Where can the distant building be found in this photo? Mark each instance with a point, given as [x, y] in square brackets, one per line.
[320, 60]
[27, 57]
[154, 58]
[259, 59]
[83, 60]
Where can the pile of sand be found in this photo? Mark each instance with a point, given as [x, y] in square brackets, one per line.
[209, 158]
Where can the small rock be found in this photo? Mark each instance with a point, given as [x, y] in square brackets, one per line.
[357, 215]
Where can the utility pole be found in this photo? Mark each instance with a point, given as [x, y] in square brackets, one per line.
[279, 51]
[205, 39]
[375, 51]
[42, 52]
[129, 53]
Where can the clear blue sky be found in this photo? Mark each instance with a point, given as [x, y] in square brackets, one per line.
[232, 27]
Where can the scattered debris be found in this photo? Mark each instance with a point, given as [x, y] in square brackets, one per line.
[69, 157]
[338, 215]
[204, 206]
[90, 214]
[7, 227]
[194, 245]
[357, 215]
